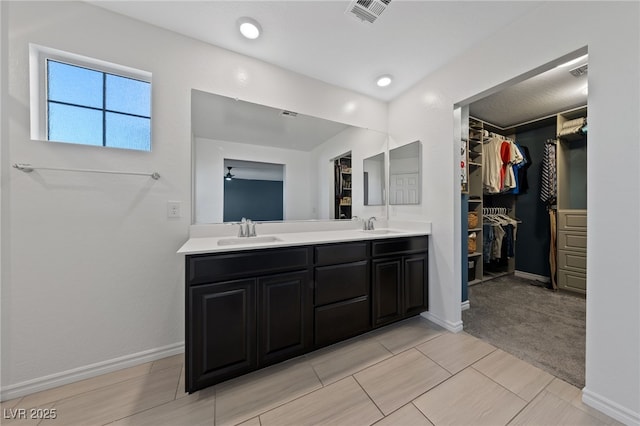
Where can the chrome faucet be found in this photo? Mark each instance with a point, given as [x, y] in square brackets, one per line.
[368, 224]
[247, 228]
[242, 231]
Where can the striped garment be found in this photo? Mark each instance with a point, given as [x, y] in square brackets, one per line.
[549, 178]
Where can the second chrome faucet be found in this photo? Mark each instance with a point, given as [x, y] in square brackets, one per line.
[247, 228]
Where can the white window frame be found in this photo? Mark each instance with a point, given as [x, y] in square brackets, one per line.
[38, 56]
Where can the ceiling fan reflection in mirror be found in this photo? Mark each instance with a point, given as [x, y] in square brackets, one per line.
[228, 176]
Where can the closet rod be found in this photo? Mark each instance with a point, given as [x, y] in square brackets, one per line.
[27, 168]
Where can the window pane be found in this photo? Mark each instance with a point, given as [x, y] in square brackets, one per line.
[74, 85]
[75, 124]
[128, 95]
[125, 131]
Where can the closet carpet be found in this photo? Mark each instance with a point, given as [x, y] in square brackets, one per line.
[537, 325]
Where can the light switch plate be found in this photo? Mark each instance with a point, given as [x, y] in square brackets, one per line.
[173, 209]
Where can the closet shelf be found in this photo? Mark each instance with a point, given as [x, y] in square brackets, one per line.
[476, 254]
[475, 230]
[474, 164]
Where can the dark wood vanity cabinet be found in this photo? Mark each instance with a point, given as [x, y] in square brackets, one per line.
[221, 332]
[284, 321]
[236, 326]
[342, 303]
[400, 271]
[248, 309]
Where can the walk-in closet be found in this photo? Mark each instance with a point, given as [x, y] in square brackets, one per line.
[524, 216]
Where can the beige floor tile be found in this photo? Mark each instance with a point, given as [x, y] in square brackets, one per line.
[469, 398]
[250, 395]
[119, 400]
[180, 392]
[77, 388]
[4, 405]
[573, 395]
[251, 422]
[194, 410]
[408, 415]
[518, 376]
[549, 409]
[342, 403]
[170, 361]
[407, 334]
[397, 380]
[348, 359]
[455, 352]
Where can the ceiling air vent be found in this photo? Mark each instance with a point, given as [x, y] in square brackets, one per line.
[367, 10]
[579, 71]
[289, 113]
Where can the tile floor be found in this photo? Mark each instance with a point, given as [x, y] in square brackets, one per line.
[410, 373]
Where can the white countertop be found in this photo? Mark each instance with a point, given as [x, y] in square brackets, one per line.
[211, 244]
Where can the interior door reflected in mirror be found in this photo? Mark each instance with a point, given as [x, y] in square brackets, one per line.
[404, 174]
[374, 180]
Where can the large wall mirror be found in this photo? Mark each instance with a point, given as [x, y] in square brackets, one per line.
[404, 174]
[226, 129]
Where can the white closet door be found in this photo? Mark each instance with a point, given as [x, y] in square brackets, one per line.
[404, 188]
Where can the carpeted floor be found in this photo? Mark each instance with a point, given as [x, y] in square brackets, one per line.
[535, 324]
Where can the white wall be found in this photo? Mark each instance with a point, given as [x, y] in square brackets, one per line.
[362, 143]
[554, 29]
[299, 184]
[90, 278]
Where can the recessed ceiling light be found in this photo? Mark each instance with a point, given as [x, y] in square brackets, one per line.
[384, 80]
[250, 28]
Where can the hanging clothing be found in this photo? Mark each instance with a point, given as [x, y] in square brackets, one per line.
[492, 165]
[549, 177]
[501, 155]
[520, 170]
[553, 248]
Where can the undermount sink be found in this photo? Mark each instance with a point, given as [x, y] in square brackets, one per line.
[380, 231]
[248, 240]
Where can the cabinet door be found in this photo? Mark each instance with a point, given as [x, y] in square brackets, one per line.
[415, 284]
[387, 290]
[285, 313]
[221, 332]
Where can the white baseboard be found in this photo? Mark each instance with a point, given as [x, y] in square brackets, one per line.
[465, 305]
[58, 379]
[531, 276]
[454, 327]
[610, 408]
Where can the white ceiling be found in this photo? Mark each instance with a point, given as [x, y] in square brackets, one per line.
[226, 119]
[548, 93]
[409, 40]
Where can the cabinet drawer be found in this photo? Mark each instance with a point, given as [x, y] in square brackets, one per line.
[340, 282]
[217, 267]
[399, 245]
[341, 320]
[572, 220]
[575, 261]
[570, 280]
[331, 254]
[571, 240]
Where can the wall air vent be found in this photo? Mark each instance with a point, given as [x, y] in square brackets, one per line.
[367, 10]
[579, 71]
[289, 113]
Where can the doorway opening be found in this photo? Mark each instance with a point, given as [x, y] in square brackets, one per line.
[253, 190]
[341, 197]
[523, 221]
